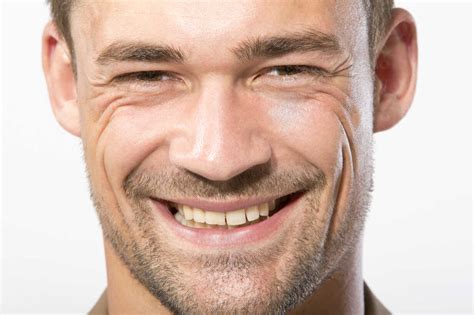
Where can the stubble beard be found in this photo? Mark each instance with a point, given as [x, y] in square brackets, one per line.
[269, 281]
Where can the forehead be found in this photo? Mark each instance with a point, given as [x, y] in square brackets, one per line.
[218, 23]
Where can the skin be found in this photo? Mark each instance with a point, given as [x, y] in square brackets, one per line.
[218, 116]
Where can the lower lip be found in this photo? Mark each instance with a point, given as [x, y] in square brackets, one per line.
[220, 238]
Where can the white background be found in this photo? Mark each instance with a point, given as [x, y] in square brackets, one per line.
[418, 246]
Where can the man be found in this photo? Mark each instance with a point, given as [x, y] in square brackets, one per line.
[229, 145]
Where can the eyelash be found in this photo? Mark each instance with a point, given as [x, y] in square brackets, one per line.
[157, 76]
[292, 70]
[143, 76]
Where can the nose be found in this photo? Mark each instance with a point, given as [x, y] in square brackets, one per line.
[224, 139]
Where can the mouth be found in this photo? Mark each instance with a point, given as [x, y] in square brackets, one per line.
[223, 224]
[195, 217]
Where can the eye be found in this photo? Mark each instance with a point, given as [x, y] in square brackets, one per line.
[145, 76]
[288, 71]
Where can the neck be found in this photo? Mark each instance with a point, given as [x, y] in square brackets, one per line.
[341, 293]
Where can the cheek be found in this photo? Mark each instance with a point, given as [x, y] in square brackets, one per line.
[312, 131]
[123, 133]
[132, 135]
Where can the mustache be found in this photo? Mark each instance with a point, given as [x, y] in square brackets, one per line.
[259, 180]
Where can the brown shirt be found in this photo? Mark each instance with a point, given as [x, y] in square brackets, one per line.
[372, 304]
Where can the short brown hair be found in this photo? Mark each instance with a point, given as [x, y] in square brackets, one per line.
[378, 17]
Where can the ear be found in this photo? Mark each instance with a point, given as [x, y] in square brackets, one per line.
[395, 71]
[57, 67]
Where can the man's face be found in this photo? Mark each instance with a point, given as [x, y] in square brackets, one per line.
[223, 106]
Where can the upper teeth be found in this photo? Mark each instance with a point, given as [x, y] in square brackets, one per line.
[198, 217]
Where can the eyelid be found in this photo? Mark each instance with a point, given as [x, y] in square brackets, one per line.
[304, 69]
[134, 76]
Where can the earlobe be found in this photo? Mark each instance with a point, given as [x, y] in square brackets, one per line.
[57, 67]
[396, 71]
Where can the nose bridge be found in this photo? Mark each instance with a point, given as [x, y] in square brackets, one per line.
[217, 124]
[223, 143]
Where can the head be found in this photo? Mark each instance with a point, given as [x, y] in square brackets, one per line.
[211, 102]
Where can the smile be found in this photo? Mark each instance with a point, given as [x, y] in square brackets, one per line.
[222, 224]
[200, 218]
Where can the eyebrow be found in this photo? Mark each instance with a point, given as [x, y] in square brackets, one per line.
[259, 47]
[137, 51]
[275, 46]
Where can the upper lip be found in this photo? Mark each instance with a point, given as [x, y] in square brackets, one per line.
[223, 205]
